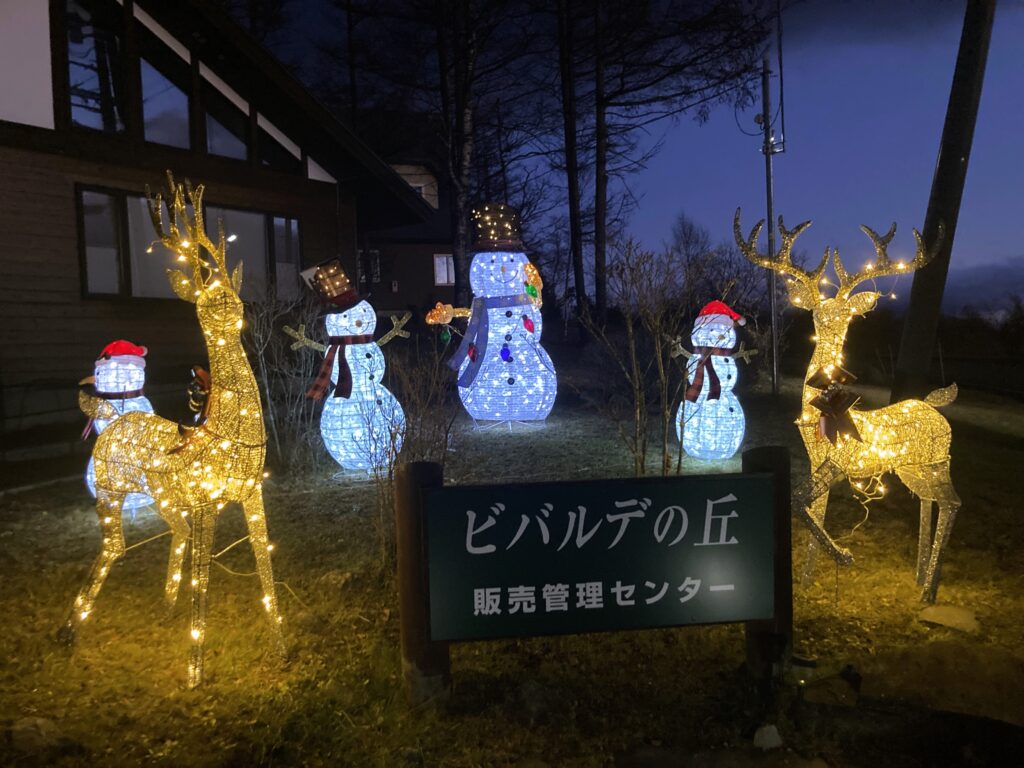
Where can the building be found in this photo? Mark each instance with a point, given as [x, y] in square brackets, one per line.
[97, 99]
[409, 267]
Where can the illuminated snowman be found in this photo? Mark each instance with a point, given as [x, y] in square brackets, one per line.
[362, 424]
[505, 374]
[119, 377]
[710, 422]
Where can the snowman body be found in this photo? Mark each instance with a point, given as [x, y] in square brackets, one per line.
[516, 379]
[365, 430]
[712, 428]
[112, 378]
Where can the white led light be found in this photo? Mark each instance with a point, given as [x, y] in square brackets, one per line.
[363, 431]
[519, 383]
[712, 429]
[113, 377]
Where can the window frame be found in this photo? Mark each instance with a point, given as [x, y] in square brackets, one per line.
[61, 69]
[132, 34]
[152, 51]
[449, 269]
[123, 240]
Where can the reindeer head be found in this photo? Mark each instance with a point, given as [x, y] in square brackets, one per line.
[208, 285]
[832, 314]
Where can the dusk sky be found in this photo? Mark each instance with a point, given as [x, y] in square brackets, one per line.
[866, 90]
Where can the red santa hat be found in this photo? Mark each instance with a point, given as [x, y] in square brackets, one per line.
[719, 313]
[124, 352]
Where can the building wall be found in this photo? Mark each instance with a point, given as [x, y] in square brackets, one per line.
[50, 334]
[26, 93]
[409, 267]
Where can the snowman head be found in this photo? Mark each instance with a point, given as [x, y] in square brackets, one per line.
[354, 321]
[121, 367]
[498, 273]
[715, 326]
[713, 333]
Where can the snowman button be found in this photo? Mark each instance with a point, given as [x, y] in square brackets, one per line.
[508, 337]
[368, 355]
[508, 313]
[511, 380]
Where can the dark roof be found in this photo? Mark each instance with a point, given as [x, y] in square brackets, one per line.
[383, 197]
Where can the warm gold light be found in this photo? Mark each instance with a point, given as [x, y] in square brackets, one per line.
[910, 439]
[193, 471]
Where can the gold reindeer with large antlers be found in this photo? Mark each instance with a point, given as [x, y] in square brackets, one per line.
[191, 472]
[910, 438]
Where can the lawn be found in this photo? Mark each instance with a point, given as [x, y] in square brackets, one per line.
[119, 698]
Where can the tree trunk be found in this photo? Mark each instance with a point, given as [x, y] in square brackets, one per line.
[922, 320]
[569, 126]
[600, 171]
[456, 55]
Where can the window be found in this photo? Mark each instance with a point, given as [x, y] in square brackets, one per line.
[165, 84]
[274, 155]
[287, 262]
[444, 269]
[101, 241]
[149, 260]
[95, 84]
[369, 265]
[246, 232]
[226, 126]
[121, 256]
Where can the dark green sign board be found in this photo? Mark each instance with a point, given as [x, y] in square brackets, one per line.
[559, 558]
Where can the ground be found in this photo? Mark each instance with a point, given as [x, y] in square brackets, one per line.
[886, 688]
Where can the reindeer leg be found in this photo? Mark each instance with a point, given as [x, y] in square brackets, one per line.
[924, 540]
[810, 498]
[256, 520]
[947, 515]
[203, 523]
[817, 512]
[180, 531]
[108, 507]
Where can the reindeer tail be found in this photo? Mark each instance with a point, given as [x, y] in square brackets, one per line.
[942, 397]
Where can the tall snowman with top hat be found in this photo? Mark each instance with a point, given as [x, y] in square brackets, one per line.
[710, 422]
[504, 374]
[362, 424]
[119, 377]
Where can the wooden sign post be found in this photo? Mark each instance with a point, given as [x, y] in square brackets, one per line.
[526, 560]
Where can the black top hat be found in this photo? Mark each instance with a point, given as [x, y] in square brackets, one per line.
[332, 284]
[496, 228]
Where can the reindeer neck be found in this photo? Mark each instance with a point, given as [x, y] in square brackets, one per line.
[828, 351]
[234, 397]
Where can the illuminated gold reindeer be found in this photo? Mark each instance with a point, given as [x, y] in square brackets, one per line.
[191, 472]
[910, 438]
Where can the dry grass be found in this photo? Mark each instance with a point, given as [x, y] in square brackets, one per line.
[572, 701]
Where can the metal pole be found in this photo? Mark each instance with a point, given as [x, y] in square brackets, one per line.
[768, 148]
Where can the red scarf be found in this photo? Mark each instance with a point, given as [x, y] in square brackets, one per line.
[343, 387]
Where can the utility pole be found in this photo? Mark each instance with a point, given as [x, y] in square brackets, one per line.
[922, 320]
[769, 148]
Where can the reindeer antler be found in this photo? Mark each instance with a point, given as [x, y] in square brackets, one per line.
[804, 288]
[185, 234]
[883, 266]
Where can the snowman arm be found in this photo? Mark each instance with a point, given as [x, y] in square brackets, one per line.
[301, 340]
[396, 329]
[443, 314]
[744, 354]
